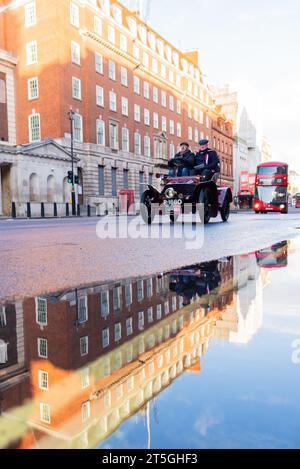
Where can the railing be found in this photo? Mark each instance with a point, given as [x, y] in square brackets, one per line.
[51, 210]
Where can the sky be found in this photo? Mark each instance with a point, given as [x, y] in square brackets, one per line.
[253, 46]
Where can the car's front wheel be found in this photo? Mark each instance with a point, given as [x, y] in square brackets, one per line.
[225, 210]
[205, 206]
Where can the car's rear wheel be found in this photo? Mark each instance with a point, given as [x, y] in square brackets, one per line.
[205, 209]
[225, 210]
[147, 213]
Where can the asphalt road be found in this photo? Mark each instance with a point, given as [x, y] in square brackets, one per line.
[42, 256]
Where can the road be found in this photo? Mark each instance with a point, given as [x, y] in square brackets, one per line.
[42, 256]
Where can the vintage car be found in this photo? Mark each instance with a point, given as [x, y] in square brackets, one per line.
[187, 194]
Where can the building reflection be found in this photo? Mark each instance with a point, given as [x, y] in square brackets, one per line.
[76, 364]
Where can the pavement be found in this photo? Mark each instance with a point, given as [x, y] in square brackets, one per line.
[43, 256]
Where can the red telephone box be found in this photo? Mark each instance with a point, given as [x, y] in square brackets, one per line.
[126, 201]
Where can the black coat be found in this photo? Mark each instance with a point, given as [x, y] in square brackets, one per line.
[186, 160]
[213, 162]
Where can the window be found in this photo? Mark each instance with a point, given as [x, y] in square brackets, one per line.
[178, 107]
[201, 117]
[97, 25]
[78, 134]
[140, 290]
[30, 14]
[172, 150]
[117, 297]
[172, 127]
[74, 15]
[171, 103]
[34, 128]
[130, 384]
[190, 133]
[155, 120]
[86, 411]
[104, 298]
[124, 76]
[154, 66]
[41, 311]
[125, 140]
[146, 90]
[111, 34]
[105, 337]
[113, 136]
[85, 378]
[33, 88]
[101, 179]
[150, 314]
[164, 124]
[155, 95]
[124, 106]
[43, 380]
[84, 346]
[128, 294]
[171, 76]
[136, 85]
[149, 286]
[146, 117]
[190, 111]
[164, 99]
[120, 390]
[118, 332]
[145, 60]
[137, 143]
[112, 101]
[158, 312]
[125, 179]
[196, 136]
[76, 88]
[136, 52]
[100, 129]
[141, 182]
[82, 309]
[137, 113]
[196, 114]
[2, 316]
[147, 146]
[178, 81]
[163, 71]
[112, 70]
[99, 63]
[129, 327]
[190, 86]
[31, 53]
[174, 303]
[99, 96]
[167, 310]
[75, 49]
[123, 43]
[45, 412]
[141, 320]
[207, 122]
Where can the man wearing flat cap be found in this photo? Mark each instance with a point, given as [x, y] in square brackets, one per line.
[207, 161]
[183, 162]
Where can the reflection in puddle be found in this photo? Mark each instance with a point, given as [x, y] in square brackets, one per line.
[76, 364]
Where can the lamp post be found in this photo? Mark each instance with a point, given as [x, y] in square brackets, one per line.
[72, 118]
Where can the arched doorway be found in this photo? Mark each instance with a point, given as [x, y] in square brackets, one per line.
[34, 188]
[51, 189]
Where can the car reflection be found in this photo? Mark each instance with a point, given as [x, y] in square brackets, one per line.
[274, 257]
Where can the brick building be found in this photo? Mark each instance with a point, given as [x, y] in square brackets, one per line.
[135, 97]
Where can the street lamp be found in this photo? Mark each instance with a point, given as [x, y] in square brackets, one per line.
[72, 118]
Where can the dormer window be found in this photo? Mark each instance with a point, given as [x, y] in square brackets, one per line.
[105, 4]
[160, 47]
[169, 53]
[143, 34]
[176, 59]
[152, 40]
[117, 12]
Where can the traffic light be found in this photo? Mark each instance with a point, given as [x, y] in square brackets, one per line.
[70, 177]
[76, 180]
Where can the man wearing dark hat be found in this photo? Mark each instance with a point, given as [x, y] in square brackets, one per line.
[183, 162]
[207, 162]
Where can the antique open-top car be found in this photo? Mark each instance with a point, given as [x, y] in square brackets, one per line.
[187, 194]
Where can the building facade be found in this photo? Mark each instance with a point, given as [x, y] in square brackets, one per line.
[134, 95]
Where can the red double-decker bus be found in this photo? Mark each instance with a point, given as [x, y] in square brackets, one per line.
[271, 188]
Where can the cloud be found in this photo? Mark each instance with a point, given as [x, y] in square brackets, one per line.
[207, 421]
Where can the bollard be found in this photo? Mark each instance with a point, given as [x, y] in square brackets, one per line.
[28, 210]
[13, 210]
[88, 210]
[74, 210]
[78, 210]
[55, 209]
[67, 210]
[42, 210]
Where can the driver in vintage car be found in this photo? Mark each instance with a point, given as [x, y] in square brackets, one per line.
[183, 162]
[207, 162]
